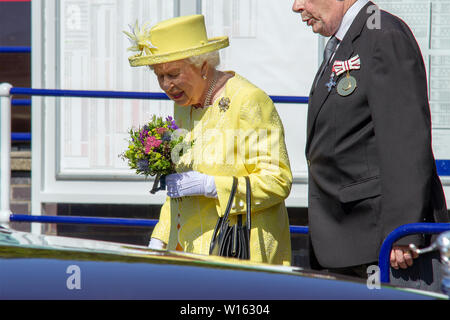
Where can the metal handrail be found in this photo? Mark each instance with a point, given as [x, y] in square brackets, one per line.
[107, 94]
[122, 95]
[21, 102]
[443, 167]
[400, 232]
[18, 49]
[20, 136]
[127, 222]
[84, 220]
[88, 94]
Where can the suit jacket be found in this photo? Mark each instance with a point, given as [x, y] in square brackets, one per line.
[370, 161]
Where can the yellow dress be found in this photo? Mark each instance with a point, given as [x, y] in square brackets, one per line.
[244, 137]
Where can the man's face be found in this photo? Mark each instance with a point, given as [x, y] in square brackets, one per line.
[324, 16]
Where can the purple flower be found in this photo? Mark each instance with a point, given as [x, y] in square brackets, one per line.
[172, 124]
[143, 135]
[142, 165]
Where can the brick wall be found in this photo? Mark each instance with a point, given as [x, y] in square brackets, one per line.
[20, 193]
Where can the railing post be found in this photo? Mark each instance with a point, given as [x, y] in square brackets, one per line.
[5, 152]
[400, 232]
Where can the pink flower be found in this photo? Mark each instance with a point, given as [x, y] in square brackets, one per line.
[151, 142]
[161, 130]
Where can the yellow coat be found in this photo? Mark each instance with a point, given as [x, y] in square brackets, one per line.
[243, 138]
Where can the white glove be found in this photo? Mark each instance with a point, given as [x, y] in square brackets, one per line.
[156, 244]
[191, 183]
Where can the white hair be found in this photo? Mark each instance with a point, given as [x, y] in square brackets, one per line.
[211, 58]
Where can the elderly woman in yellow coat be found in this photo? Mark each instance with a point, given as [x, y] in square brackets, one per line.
[235, 130]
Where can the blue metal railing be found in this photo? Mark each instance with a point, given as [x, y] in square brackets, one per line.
[15, 49]
[118, 95]
[108, 221]
[18, 136]
[400, 232]
[106, 94]
[443, 167]
[84, 220]
[89, 94]
[21, 136]
[21, 102]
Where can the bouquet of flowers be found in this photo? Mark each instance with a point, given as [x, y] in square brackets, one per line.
[152, 149]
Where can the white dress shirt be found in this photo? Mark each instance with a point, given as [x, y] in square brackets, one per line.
[348, 19]
[349, 16]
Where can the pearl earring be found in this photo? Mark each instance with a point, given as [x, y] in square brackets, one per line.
[204, 77]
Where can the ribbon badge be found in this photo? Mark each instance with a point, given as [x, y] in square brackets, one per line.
[347, 85]
[339, 67]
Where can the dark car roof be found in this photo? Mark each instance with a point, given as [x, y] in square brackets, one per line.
[37, 267]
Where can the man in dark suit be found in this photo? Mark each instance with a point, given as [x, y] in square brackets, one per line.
[369, 154]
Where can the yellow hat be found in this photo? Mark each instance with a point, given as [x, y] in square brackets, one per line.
[174, 39]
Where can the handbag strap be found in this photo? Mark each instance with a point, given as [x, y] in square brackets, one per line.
[230, 203]
[230, 200]
[248, 200]
[226, 214]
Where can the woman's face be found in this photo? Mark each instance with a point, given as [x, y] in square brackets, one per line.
[181, 81]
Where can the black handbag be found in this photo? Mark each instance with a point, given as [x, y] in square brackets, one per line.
[233, 241]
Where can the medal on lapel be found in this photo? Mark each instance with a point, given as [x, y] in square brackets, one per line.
[331, 83]
[347, 84]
